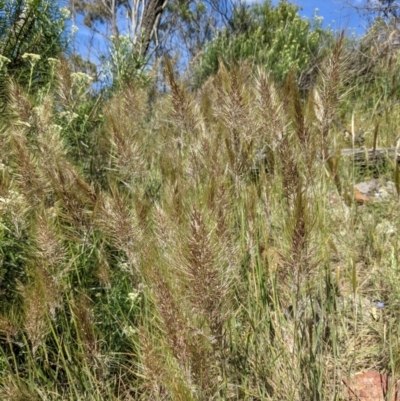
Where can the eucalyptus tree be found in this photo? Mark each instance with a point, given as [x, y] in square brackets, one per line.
[152, 27]
[387, 9]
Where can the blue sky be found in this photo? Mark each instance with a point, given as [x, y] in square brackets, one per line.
[333, 10]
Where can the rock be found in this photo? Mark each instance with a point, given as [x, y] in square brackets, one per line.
[361, 197]
[382, 193]
[391, 188]
[370, 386]
[373, 191]
[368, 187]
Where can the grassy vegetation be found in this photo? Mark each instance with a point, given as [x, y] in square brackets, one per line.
[196, 245]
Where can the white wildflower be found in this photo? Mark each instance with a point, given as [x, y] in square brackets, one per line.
[132, 296]
[53, 61]
[81, 78]
[31, 56]
[129, 331]
[65, 12]
[56, 128]
[3, 61]
[69, 116]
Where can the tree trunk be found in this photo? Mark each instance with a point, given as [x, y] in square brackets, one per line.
[151, 17]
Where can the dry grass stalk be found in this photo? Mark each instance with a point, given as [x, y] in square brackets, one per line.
[184, 115]
[9, 330]
[208, 287]
[231, 107]
[326, 92]
[116, 219]
[35, 322]
[124, 124]
[82, 310]
[50, 251]
[282, 149]
[30, 180]
[165, 380]
[207, 291]
[19, 108]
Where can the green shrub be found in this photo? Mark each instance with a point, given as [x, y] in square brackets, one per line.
[31, 32]
[273, 37]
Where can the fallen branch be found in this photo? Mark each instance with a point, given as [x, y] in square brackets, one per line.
[373, 156]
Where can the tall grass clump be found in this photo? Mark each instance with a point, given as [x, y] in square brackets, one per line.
[204, 246]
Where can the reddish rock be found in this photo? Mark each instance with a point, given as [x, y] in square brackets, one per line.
[361, 197]
[370, 386]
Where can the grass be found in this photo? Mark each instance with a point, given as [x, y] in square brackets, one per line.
[170, 261]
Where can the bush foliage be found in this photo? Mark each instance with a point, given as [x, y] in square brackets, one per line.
[31, 32]
[273, 37]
